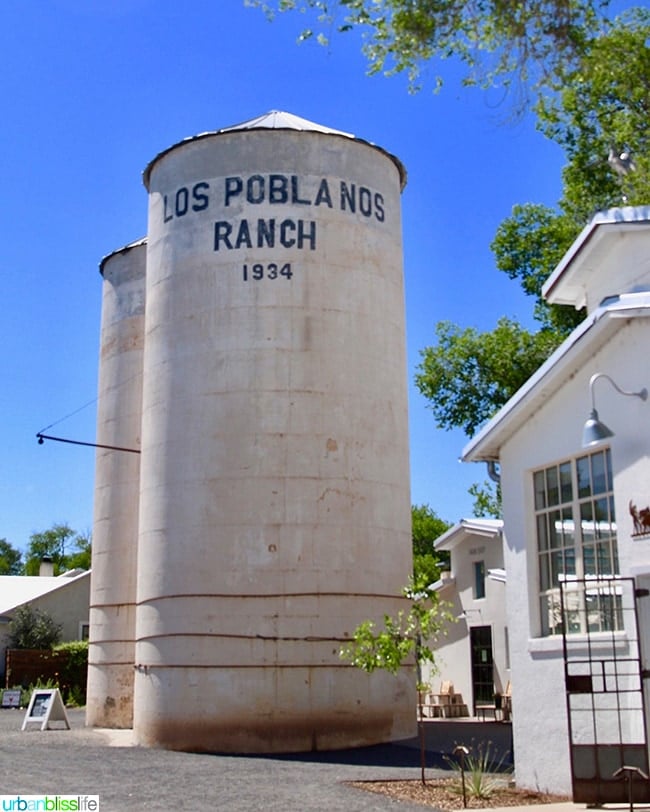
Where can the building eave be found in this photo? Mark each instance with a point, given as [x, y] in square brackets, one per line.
[586, 339]
[465, 528]
[567, 284]
[33, 588]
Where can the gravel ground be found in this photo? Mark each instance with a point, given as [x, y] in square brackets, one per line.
[90, 762]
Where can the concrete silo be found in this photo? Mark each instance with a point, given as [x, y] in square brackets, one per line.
[274, 501]
[117, 482]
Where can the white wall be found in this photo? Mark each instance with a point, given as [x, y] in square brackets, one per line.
[551, 435]
[453, 655]
[67, 606]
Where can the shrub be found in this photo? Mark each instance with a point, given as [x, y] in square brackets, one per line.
[33, 629]
[479, 772]
[73, 671]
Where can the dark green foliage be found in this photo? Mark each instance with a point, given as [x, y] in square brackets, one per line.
[73, 671]
[528, 246]
[468, 375]
[11, 562]
[33, 629]
[67, 549]
[427, 526]
[604, 105]
[487, 500]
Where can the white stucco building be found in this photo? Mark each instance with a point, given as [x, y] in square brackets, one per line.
[473, 654]
[64, 597]
[566, 513]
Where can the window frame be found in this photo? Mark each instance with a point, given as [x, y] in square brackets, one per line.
[479, 580]
[574, 525]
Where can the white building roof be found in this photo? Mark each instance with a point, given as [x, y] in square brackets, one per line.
[583, 342]
[611, 250]
[488, 528]
[16, 590]
[595, 260]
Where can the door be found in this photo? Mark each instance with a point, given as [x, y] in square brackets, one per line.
[482, 665]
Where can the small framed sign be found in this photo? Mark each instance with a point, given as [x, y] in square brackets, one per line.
[11, 698]
[46, 707]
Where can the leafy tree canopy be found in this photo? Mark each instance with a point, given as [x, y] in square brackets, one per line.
[11, 559]
[601, 112]
[487, 500]
[33, 628]
[467, 375]
[427, 562]
[405, 639]
[529, 43]
[67, 549]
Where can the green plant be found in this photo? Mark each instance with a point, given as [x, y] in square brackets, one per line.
[33, 629]
[76, 697]
[73, 671]
[477, 772]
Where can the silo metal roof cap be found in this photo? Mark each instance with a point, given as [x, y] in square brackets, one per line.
[123, 250]
[276, 120]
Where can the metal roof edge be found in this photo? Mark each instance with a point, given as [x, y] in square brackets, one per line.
[606, 318]
[123, 250]
[629, 215]
[242, 128]
[62, 580]
[488, 528]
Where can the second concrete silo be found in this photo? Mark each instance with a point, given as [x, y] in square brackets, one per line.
[117, 482]
[275, 509]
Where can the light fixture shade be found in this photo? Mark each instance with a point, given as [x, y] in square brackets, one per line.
[594, 431]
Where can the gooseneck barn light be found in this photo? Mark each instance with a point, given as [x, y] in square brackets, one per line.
[595, 431]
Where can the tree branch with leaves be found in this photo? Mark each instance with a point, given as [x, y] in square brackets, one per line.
[406, 640]
[526, 45]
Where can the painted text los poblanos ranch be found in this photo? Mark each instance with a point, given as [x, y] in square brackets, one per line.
[273, 232]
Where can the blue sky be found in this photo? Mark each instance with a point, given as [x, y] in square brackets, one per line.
[92, 90]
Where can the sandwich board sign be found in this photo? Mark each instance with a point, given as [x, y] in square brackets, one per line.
[10, 698]
[45, 707]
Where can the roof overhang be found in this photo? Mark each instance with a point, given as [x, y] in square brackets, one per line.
[593, 253]
[468, 528]
[595, 332]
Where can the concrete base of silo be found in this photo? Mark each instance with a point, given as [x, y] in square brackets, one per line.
[307, 710]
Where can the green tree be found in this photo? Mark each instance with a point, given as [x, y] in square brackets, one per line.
[427, 526]
[527, 44]
[406, 640]
[33, 628]
[601, 111]
[468, 375]
[11, 559]
[528, 246]
[487, 500]
[67, 549]
[80, 557]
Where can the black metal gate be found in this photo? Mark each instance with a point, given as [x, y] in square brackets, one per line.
[604, 691]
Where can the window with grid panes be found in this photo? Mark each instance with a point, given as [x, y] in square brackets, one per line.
[576, 541]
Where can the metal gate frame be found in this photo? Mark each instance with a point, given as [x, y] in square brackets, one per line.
[605, 701]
